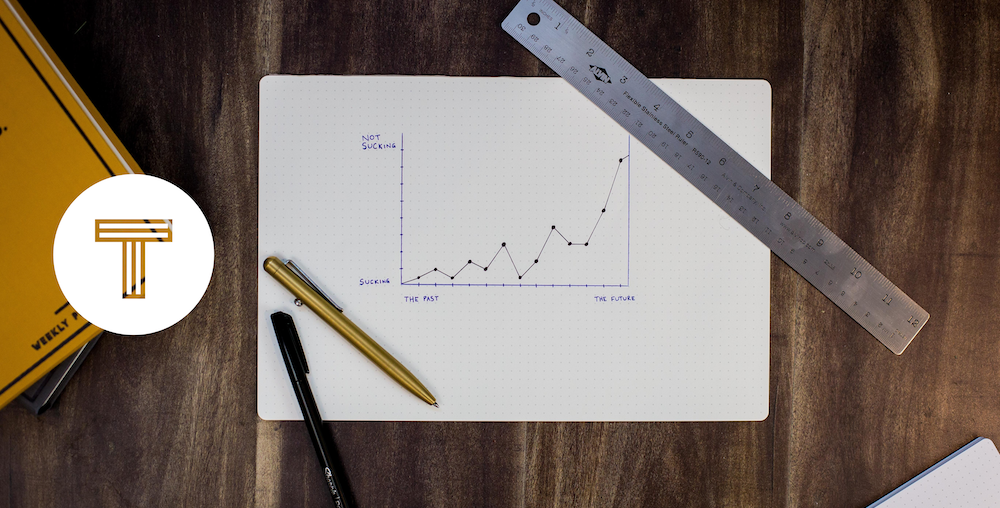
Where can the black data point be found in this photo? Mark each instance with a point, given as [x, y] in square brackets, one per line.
[518, 276]
[536, 260]
[452, 278]
[470, 262]
[620, 160]
[486, 268]
[503, 244]
[603, 210]
[571, 243]
[418, 276]
[553, 227]
[586, 244]
[435, 269]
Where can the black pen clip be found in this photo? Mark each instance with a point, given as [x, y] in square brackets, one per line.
[288, 341]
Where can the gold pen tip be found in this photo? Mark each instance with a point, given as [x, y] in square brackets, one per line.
[436, 405]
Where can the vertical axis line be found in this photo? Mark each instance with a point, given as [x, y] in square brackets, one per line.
[401, 209]
[628, 229]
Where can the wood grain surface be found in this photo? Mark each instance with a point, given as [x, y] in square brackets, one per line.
[886, 126]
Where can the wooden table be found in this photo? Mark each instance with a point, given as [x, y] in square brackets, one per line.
[886, 126]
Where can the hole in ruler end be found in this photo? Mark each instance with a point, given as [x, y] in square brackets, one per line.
[534, 18]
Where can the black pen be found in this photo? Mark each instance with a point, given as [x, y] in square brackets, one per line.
[295, 362]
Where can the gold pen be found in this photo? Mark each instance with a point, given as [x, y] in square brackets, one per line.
[305, 291]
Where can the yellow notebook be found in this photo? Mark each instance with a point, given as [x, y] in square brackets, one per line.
[53, 146]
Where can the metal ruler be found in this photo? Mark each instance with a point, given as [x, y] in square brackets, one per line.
[715, 169]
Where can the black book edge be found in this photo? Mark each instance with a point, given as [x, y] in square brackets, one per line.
[43, 394]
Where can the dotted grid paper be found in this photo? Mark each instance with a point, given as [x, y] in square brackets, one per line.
[970, 477]
[659, 310]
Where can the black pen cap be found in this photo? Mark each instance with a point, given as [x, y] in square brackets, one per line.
[290, 345]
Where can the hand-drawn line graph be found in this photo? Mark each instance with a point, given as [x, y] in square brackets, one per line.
[450, 270]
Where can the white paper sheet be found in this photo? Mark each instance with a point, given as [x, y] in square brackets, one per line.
[368, 182]
[970, 478]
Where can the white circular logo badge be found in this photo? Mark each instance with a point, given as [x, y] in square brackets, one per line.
[133, 254]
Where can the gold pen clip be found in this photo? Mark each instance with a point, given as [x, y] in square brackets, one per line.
[305, 278]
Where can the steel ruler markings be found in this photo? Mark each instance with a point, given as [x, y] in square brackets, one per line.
[715, 169]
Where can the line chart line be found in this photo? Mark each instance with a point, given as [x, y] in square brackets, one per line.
[503, 245]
